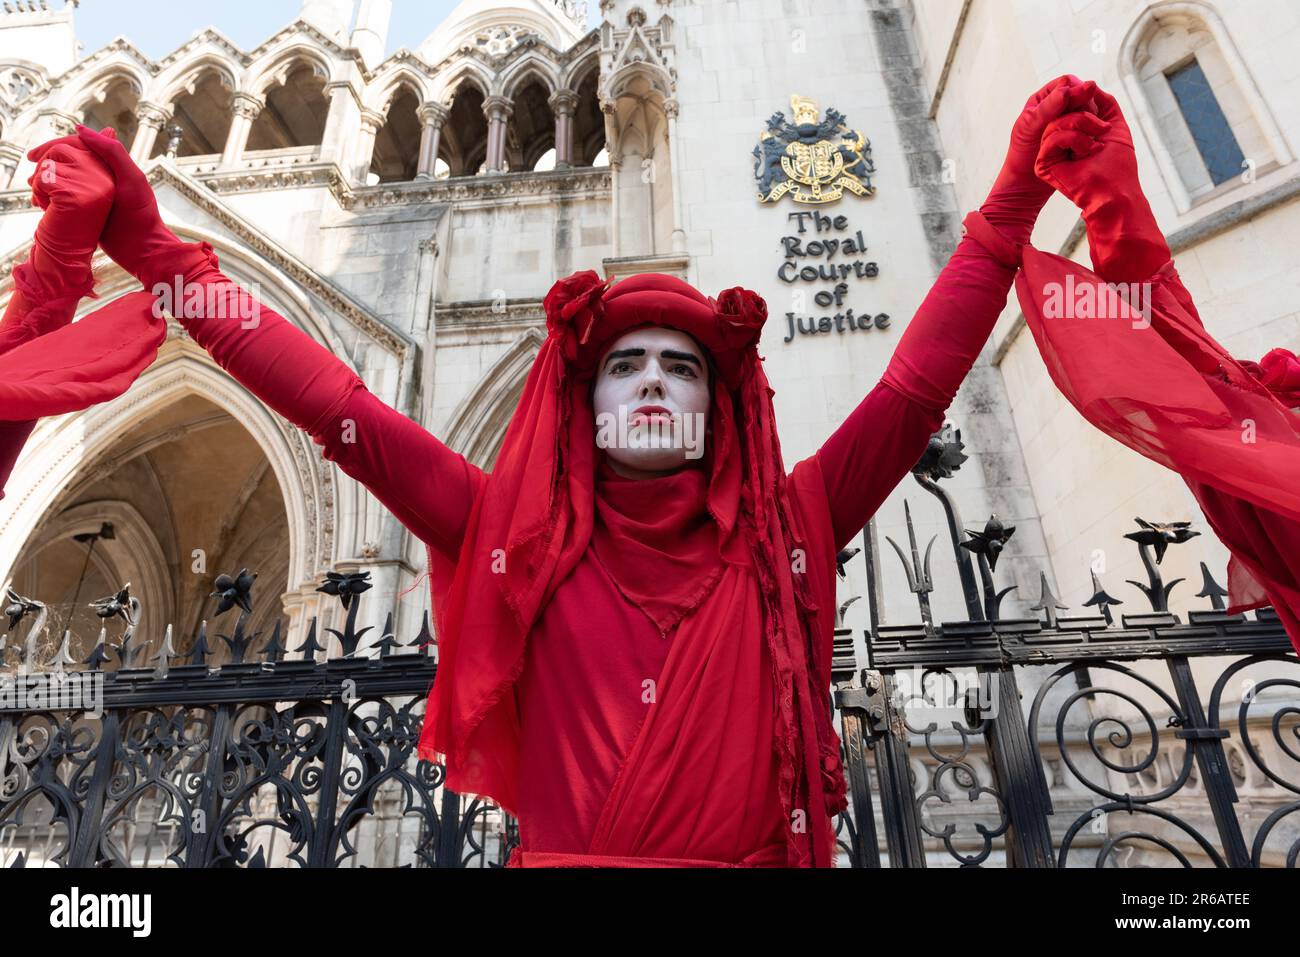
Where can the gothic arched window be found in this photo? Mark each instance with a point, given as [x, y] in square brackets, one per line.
[1194, 97]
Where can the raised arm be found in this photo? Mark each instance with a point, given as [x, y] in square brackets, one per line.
[886, 434]
[426, 485]
[76, 194]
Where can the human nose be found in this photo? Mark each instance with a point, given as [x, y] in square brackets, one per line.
[652, 382]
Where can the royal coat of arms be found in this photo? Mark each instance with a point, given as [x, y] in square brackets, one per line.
[812, 160]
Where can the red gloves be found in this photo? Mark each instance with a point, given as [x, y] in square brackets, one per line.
[944, 338]
[1091, 160]
[278, 362]
[134, 236]
[76, 195]
[1018, 195]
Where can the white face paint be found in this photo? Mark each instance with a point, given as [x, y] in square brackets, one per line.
[651, 401]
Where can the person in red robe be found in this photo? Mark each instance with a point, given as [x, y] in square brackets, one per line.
[1143, 368]
[634, 634]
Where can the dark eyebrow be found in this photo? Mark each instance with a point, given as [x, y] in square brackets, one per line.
[674, 354]
[623, 354]
[667, 354]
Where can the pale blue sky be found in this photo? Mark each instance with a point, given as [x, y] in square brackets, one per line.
[158, 28]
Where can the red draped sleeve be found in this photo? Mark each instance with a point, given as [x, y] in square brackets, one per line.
[884, 437]
[426, 485]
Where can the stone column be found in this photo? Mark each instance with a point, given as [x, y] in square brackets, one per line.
[343, 120]
[564, 103]
[497, 109]
[243, 113]
[432, 116]
[371, 121]
[10, 156]
[679, 234]
[615, 177]
[152, 119]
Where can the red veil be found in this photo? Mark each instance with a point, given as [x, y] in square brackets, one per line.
[1168, 390]
[535, 519]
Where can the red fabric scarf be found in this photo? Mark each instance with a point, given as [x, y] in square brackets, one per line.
[658, 542]
[1169, 391]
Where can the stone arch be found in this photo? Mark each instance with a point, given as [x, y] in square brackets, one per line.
[200, 101]
[464, 140]
[531, 66]
[63, 447]
[458, 74]
[379, 94]
[394, 146]
[183, 77]
[114, 104]
[577, 71]
[479, 423]
[275, 68]
[135, 555]
[97, 81]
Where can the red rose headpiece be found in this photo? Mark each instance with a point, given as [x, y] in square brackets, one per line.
[584, 314]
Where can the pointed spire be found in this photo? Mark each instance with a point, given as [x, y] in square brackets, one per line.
[200, 652]
[388, 641]
[309, 647]
[63, 657]
[424, 640]
[1102, 600]
[165, 654]
[1211, 589]
[274, 650]
[1047, 601]
[99, 654]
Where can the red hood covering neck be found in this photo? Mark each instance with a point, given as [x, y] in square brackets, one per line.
[658, 541]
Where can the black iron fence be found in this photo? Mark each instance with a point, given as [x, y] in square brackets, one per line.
[1146, 740]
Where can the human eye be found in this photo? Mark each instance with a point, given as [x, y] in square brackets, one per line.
[684, 368]
[622, 365]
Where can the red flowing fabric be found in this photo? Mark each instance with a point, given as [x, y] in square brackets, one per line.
[658, 542]
[50, 365]
[82, 364]
[1137, 362]
[1169, 391]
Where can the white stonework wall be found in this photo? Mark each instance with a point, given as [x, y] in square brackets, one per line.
[1235, 250]
[739, 63]
[1245, 279]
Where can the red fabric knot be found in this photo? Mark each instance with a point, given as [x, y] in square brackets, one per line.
[573, 307]
[740, 315]
[987, 235]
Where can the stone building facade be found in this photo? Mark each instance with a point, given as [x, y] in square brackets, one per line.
[410, 211]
